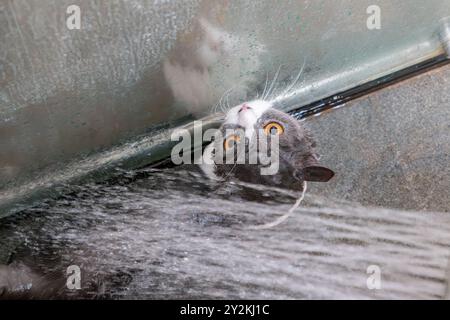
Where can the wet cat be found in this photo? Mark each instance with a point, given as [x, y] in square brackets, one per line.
[244, 128]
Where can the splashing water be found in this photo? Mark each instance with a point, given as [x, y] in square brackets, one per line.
[169, 233]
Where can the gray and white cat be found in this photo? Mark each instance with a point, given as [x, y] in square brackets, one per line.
[257, 120]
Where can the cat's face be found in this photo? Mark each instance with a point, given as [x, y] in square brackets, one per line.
[245, 127]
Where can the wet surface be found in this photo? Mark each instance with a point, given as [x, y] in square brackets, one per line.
[392, 147]
[169, 233]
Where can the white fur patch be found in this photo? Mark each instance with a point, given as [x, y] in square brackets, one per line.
[247, 118]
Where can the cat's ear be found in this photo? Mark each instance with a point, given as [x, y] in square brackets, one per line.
[317, 174]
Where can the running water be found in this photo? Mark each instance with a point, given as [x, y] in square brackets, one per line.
[169, 233]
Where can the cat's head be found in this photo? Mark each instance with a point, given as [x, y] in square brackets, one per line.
[249, 124]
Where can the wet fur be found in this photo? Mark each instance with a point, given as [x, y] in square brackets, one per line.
[296, 154]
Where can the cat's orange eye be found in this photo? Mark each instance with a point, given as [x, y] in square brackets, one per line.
[273, 128]
[231, 141]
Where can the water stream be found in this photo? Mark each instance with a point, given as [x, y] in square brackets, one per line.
[169, 233]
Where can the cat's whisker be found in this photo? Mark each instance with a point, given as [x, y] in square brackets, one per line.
[257, 94]
[265, 85]
[275, 79]
[219, 103]
[221, 100]
[227, 94]
[215, 107]
[218, 109]
[228, 101]
[285, 92]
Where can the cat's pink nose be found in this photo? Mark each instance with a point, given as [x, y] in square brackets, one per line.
[244, 107]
